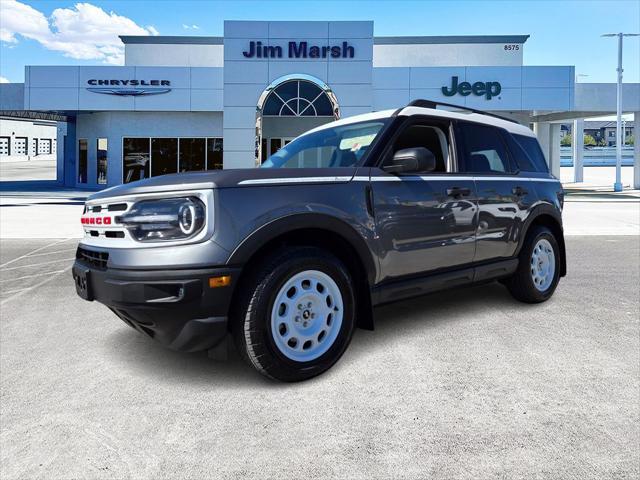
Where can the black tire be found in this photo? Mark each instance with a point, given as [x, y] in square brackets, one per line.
[251, 323]
[521, 284]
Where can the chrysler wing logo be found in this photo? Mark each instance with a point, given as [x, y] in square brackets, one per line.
[130, 92]
[128, 88]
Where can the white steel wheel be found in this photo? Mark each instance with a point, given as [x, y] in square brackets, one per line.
[307, 315]
[543, 265]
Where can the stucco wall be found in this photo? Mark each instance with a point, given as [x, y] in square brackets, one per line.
[522, 88]
[446, 55]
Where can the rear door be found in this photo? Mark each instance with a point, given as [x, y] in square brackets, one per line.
[503, 197]
[425, 221]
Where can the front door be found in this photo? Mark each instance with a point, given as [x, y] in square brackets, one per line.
[425, 222]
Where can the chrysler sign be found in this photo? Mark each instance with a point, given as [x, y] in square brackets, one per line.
[131, 87]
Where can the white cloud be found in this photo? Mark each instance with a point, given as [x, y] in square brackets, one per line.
[4, 80]
[190, 27]
[84, 32]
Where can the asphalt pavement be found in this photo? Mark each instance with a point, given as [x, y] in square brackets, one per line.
[36, 168]
[462, 384]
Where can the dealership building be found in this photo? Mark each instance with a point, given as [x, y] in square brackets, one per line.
[200, 103]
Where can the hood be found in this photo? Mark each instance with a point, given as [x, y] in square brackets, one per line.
[240, 177]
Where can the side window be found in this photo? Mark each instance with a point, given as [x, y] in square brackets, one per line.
[519, 157]
[434, 138]
[534, 153]
[485, 151]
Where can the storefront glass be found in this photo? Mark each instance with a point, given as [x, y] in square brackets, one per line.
[192, 154]
[135, 159]
[164, 156]
[214, 153]
[82, 160]
[144, 157]
[101, 156]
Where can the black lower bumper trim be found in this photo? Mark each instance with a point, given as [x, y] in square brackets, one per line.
[174, 307]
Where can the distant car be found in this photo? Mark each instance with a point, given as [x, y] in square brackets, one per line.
[289, 260]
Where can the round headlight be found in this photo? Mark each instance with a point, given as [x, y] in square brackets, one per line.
[186, 215]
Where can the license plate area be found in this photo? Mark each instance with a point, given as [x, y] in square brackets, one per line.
[82, 279]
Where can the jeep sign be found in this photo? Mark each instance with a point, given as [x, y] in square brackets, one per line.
[488, 89]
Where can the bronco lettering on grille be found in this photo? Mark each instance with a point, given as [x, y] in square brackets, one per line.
[95, 220]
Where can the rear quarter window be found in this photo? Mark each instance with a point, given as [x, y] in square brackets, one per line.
[533, 159]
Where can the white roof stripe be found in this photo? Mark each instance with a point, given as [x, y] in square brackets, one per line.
[390, 178]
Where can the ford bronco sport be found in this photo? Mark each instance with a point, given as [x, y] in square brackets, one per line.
[289, 258]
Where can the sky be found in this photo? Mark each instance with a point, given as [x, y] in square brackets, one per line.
[48, 32]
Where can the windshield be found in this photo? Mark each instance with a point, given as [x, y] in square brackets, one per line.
[342, 146]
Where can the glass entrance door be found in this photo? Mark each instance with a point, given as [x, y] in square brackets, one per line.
[272, 145]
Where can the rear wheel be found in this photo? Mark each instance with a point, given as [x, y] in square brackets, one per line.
[539, 267]
[297, 316]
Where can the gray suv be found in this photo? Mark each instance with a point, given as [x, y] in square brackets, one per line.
[290, 258]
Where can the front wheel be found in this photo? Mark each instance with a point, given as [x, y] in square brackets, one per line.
[297, 316]
[539, 267]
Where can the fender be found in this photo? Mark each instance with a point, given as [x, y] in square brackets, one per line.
[536, 212]
[299, 221]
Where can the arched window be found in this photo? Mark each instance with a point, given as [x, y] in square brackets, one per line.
[298, 98]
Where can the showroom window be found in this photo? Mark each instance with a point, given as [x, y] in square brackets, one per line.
[192, 154]
[214, 153]
[82, 160]
[164, 152]
[101, 156]
[135, 159]
[144, 157]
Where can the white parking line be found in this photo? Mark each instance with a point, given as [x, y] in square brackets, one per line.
[31, 276]
[34, 251]
[13, 291]
[37, 264]
[37, 285]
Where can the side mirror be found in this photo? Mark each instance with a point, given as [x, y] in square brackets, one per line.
[412, 160]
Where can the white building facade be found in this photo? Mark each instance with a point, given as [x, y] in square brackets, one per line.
[196, 103]
[23, 139]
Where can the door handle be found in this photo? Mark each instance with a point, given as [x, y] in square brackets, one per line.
[456, 192]
[519, 191]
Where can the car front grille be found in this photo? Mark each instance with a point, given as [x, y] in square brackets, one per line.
[93, 258]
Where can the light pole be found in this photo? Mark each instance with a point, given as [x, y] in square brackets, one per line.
[617, 187]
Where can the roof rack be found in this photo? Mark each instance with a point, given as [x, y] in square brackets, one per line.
[431, 104]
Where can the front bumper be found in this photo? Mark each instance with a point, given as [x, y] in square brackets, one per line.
[175, 307]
